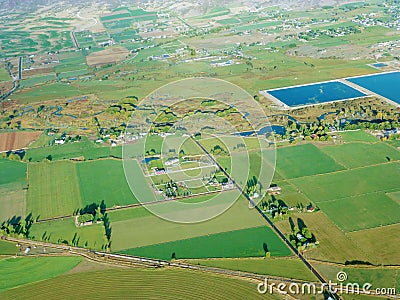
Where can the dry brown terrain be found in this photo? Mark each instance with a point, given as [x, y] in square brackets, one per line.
[17, 140]
[334, 244]
[381, 243]
[110, 55]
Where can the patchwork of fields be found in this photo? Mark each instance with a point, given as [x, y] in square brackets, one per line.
[344, 181]
[250, 242]
[355, 185]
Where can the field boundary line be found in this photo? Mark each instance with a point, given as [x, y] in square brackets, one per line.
[359, 266]
[346, 170]
[359, 195]
[134, 205]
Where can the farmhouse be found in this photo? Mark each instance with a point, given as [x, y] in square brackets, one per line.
[171, 162]
[274, 190]
[59, 142]
[310, 208]
[159, 171]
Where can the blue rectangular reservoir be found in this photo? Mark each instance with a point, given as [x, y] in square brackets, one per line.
[316, 93]
[385, 84]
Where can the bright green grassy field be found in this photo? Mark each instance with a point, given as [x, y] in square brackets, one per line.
[333, 186]
[139, 284]
[367, 211]
[283, 267]
[53, 189]
[8, 248]
[358, 136]
[239, 243]
[86, 149]
[91, 237]
[104, 180]
[12, 171]
[304, 160]
[355, 155]
[21, 271]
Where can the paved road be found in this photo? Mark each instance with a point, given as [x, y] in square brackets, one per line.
[74, 39]
[15, 80]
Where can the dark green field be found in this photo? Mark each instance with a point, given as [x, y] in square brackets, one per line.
[12, 171]
[251, 242]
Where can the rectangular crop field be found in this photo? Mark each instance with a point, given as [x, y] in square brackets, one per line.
[85, 149]
[118, 282]
[17, 140]
[349, 183]
[12, 203]
[304, 160]
[362, 212]
[250, 242]
[53, 189]
[12, 172]
[358, 136]
[104, 180]
[149, 229]
[355, 155]
[373, 239]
